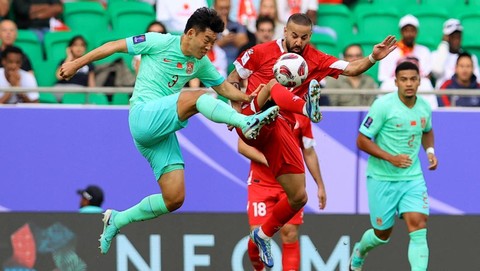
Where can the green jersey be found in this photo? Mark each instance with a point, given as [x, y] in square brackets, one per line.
[164, 69]
[396, 129]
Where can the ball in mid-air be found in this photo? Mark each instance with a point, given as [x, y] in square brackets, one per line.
[290, 70]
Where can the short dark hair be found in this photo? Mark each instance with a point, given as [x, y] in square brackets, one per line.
[11, 50]
[204, 18]
[350, 46]
[300, 18]
[264, 19]
[464, 54]
[157, 23]
[406, 65]
[75, 38]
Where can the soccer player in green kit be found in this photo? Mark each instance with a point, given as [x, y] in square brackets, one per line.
[400, 123]
[158, 109]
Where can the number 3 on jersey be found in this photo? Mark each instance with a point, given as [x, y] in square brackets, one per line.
[259, 209]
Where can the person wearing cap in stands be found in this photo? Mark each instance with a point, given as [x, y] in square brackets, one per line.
[444, 59]
[91, 199]
[406, 47]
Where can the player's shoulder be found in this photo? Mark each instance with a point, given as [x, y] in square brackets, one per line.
[422, 102]
[271, 46]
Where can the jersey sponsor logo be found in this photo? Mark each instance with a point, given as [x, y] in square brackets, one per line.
[139, 39]
[398, 125]
[189, 67]
[368, 122]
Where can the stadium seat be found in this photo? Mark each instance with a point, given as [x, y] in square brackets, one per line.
[97, 98]
[86, 18]
[431, 20]
[47, 97]
[56, 43]
[339, 18]
[472, 45]
[396, 3]
[377, 21]
[324, 43]
[471, 21]
[74, 98]
[120, 99]
[130, 18]
[30, 45]
[448, 4]
[45, 72]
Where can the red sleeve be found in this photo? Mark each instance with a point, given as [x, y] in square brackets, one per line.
[248, 62]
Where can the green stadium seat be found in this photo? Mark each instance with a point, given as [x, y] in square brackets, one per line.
[86, 18]
[324, 43]
[130, 18]
[45, 72]
[470, 21]
[74, 98]
[396, 3]
[30, 45]
[472, 45]
[448, 4]
[377, 21]
[339, 18]
[56, 43]
[97, 98]
[120, 99]
[47, 97]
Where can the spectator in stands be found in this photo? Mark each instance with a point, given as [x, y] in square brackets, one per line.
[406, 47]
[268, 8]
[8, 36]
[175, 13]
[363, 81]
[445, 57]
[154, 26]
[244, 12]
[85, 77]
[285, 8]
[462, 79]
[265, 27]
[235, 35]
[12, 76]
[36, 14]
[425, 84]
[4, 8]
[91, 199]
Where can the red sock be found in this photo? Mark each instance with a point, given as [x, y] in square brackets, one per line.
[286, 100]
[282, 212]
[291, 257]
[254, 256]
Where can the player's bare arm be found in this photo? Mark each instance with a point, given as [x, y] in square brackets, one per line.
[230, 92]
[428, 144]
[367, 145]
[68, 69]
[251, 153]
[311, 160]
[380, 51]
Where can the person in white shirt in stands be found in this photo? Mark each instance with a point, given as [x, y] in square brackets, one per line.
[11, 75]
[444, 59]
[406, 47]
[425, 84]
[175, 13]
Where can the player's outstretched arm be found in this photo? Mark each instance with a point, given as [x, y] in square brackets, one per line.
[230, 92]
[380, 51]
[311, 160]
[68, 69]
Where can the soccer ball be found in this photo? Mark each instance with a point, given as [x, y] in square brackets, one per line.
[290, 70]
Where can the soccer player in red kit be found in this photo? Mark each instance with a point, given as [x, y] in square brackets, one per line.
[277, 141]
[264, 192]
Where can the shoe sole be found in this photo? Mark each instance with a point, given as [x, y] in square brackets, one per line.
[254, 131]
[314, 99]
[106, 218]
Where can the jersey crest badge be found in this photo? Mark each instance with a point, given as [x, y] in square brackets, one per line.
[139, 39]
[189, 67]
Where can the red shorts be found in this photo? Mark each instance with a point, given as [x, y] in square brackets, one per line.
[278, 143]
[262, 199]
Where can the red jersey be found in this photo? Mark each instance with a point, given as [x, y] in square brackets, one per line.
[261, 174]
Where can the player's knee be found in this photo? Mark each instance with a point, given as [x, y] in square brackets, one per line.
[175, 202]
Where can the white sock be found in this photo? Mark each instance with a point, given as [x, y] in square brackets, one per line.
[262, 235]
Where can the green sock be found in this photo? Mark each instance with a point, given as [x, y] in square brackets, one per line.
[150, 207]
[370, 241]
[418, 250]
[218, 111]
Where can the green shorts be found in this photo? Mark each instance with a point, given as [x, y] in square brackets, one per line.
[153, 125]
[387, 198]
